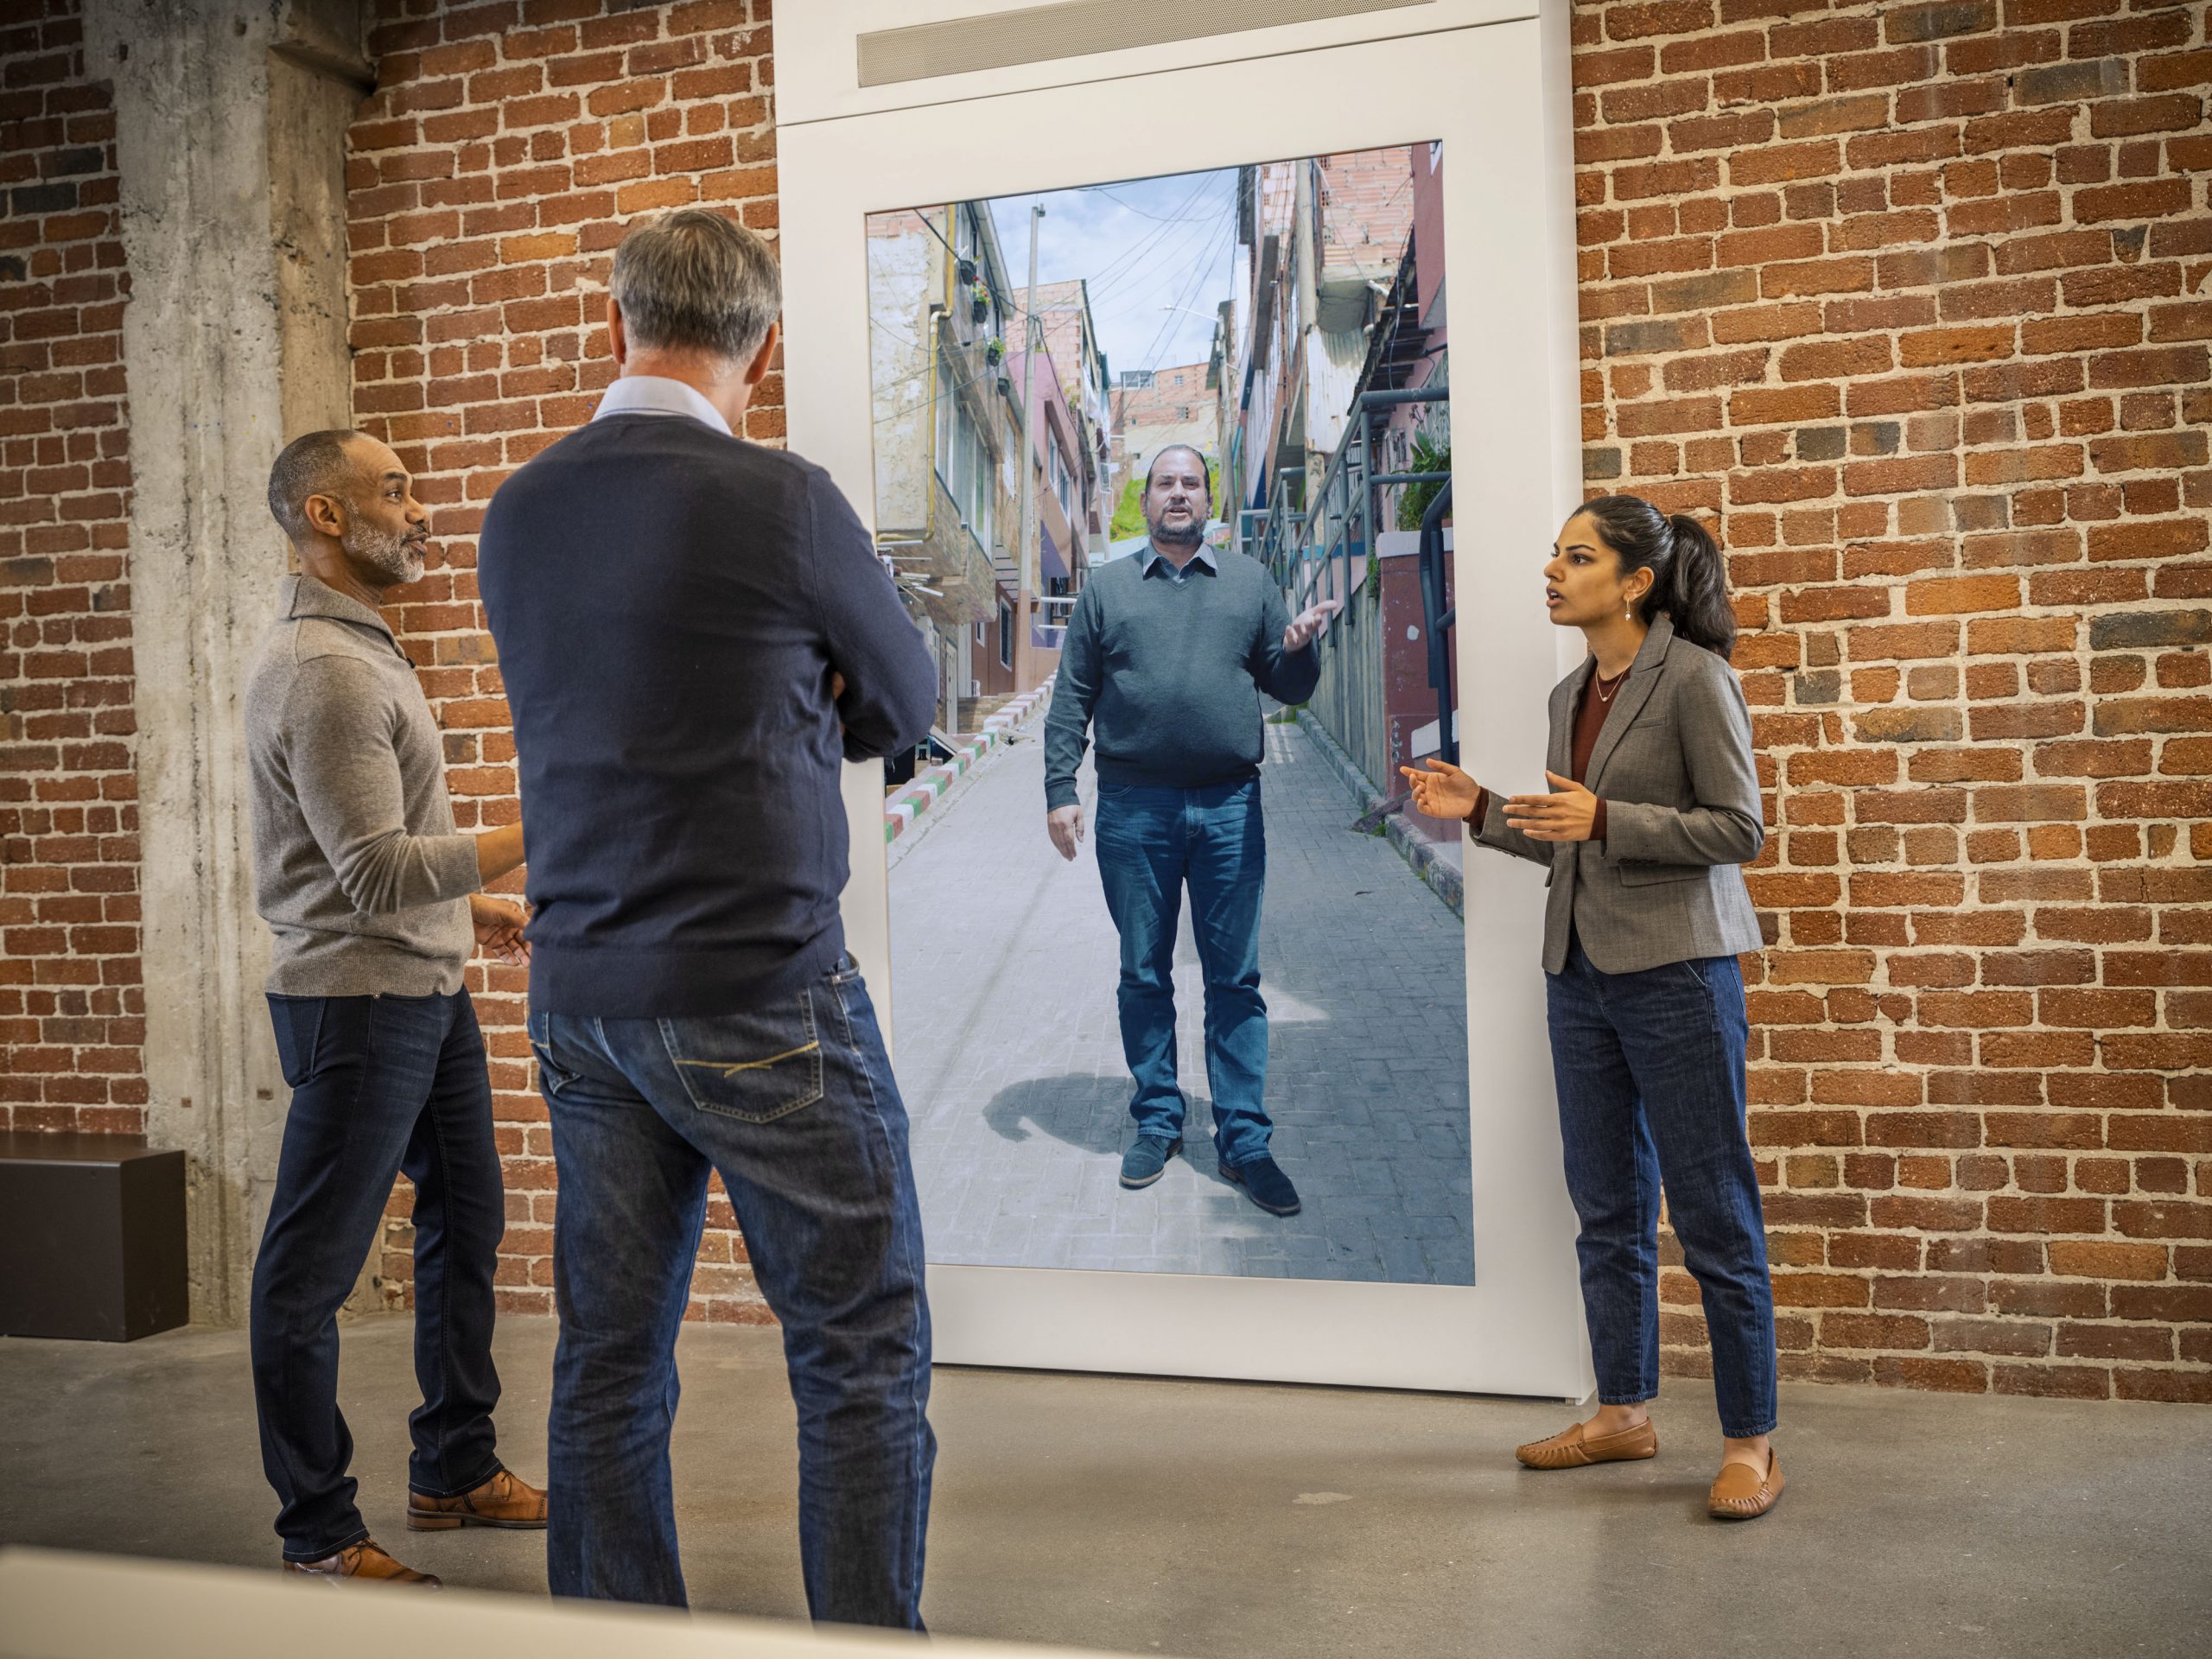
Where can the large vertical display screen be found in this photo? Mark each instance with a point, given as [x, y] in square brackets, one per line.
[1154, 876]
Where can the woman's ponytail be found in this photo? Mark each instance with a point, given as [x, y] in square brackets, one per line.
[1689, 580]
[1697, 588]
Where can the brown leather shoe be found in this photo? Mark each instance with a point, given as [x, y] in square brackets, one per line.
[1571, 1448]
[1741, 1493]
[502, 1501]
[363, 1560]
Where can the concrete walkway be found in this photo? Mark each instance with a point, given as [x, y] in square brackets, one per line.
[1220, 1521]
[1009, 1056]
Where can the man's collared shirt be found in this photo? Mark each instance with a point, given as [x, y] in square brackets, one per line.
[1157, 563]
[655, 394]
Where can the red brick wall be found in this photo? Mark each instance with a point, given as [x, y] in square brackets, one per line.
[1913, 301]
[72, 1015]
[489, 178]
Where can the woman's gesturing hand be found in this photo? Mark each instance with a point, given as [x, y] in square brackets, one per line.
[1443, 791]
[1567, 814]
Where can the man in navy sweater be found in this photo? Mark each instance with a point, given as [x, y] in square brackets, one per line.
[1167, 655]
[694, 632]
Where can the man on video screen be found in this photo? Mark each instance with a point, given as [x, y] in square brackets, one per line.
[1168, 652]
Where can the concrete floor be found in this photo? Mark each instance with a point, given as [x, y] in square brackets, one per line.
[1205, 1519]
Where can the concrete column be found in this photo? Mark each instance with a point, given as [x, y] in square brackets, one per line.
[231, 122]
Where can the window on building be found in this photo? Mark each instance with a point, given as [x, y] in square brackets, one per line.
[984, 499]
[948, 400]
[961, 479]
[964, 462]
[1006, 634]
[1063, 482]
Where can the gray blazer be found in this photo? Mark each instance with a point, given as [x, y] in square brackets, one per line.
[1674, 765]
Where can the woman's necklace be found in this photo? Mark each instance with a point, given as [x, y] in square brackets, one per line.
[1597, 683]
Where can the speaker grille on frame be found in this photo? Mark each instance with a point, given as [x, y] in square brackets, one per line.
[1074, 28]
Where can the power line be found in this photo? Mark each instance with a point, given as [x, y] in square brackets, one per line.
[1145, 243]
[1107, 191]
[982, 266]
[1185, 286]
[1106, 278]
[1190, 288]
[1128, 278]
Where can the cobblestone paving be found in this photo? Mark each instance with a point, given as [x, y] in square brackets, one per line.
[1009, 1055]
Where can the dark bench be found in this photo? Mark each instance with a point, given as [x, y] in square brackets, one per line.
[91, 1238]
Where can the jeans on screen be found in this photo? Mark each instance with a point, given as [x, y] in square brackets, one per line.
[792, 1103]
[1151, 844]
[1650, 1068]
[380, 1084]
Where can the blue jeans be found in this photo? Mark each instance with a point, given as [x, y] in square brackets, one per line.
[1151, 844]
[793, 1103]
[1650, 1074]
[379, 1084]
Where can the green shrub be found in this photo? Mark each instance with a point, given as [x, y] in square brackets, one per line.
[1413, 500]
[1129, 515]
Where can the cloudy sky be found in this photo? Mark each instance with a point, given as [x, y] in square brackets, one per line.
[1157, 253]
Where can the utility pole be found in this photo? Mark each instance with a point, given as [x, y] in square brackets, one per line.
[1026, 563]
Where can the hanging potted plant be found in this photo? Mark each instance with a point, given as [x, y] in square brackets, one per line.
[995, 350]
[979, 302]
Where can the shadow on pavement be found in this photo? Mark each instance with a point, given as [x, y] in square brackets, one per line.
[1091, 1114]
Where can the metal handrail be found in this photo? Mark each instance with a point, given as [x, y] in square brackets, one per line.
[1340, 518]
[1437, 620]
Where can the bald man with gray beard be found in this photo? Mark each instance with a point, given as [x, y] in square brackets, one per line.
[371, 895]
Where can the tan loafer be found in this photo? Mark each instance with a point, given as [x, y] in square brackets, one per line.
[1571, 1448]
[1742, 1493]
[502, 1501]
[363, 1562]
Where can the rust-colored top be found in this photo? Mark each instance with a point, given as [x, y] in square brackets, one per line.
[1591, 707]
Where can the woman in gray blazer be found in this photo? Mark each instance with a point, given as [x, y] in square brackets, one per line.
[1654, 808]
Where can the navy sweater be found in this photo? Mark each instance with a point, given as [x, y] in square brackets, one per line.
[669, 603]
[1168, 675]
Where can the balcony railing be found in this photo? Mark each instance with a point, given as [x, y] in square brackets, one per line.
[1315, 542]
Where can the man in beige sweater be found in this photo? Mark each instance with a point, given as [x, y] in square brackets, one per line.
[373, 897]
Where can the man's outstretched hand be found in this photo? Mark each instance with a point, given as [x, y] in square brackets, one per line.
[1306, 626]
[1064, 825]
[498, 926]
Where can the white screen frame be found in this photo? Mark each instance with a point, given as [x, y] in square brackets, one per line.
[1497, 95]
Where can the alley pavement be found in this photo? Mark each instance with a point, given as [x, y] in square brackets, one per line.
[1009, 1052]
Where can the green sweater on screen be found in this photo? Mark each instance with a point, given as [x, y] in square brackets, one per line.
[1166, 675]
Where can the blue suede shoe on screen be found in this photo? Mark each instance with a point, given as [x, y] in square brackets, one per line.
[1265, 1184]
[1147, 1161]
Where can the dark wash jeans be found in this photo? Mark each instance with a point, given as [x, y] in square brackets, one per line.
[1650, 1068]
[793, 1103]
[380, 1084]
[1151, 844]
